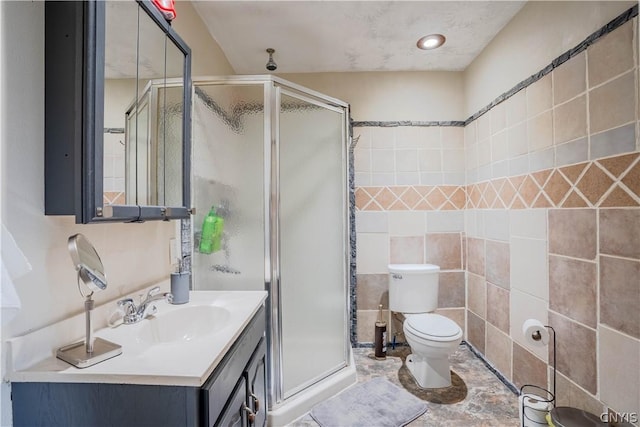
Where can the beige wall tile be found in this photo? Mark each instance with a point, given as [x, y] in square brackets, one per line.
[527, 368]
[430, 137]
[612, 142]
[477, 295]
[445, 250]
[540, 131]
[475, 256]
[451, 291]
[406, 223]
[372, 253]
[406, 160]
[569, 79]
[570, 120]
[531, 223]
[539, 97]
[452, 137]
[611, 55]
[497, 263]
[499, 149]
[483, 130]
[572, 232]
[471, 134]
[498, 350]
[619, 369]
[372, 290]
[516, 108]
[573, 289]
[517, 140]
[408, 137]
[362, 160]
[429, 160]
[372, 222]
[613, 104]
[620, 232]
[498, 118]
[366, 325]
[575, 346]
[383, 137]
[498, 307]
[406, 250]
[528, 269]
[569, 394]
[476, 331]
[620, 294]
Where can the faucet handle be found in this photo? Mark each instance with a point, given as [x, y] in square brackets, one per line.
[153, 291]
[127, 305]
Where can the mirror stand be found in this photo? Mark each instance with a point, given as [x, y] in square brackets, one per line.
[90, 271]
[92, 350]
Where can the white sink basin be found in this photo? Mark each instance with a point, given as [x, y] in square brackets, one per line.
[180, 345]
[182, 324]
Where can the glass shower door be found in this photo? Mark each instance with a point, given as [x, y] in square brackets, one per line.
[228, 176]
[312, 220]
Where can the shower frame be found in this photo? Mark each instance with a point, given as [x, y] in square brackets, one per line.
[274, 87]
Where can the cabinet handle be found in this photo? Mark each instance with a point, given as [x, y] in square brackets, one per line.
[256, 402]
[250, 415]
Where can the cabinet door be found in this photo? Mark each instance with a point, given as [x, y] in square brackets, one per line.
[257, 385]
[235, 414]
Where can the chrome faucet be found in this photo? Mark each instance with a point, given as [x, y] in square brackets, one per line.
[133, 314]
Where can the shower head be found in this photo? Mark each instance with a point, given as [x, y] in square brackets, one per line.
[271, 64]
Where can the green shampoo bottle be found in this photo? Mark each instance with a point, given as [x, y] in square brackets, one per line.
[209, 226]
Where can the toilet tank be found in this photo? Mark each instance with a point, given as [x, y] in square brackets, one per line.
[413, 288]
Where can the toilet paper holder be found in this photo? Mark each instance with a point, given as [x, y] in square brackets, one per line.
[535, 334]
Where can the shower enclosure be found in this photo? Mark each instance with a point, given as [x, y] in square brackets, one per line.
[271, 158]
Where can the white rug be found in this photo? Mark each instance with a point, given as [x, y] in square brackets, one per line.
[375, 403]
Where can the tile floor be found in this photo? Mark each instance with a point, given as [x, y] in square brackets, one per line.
[488, 401]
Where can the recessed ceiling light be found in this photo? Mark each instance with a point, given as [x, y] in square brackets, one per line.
[432, 41]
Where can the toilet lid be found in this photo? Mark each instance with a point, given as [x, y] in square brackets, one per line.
[430, 326]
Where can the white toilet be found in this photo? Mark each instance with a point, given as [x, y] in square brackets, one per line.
[413, 291]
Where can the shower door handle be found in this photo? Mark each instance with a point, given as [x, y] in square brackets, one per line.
[256, 402]
[251, 416]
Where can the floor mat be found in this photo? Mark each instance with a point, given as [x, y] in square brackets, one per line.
[374, 403]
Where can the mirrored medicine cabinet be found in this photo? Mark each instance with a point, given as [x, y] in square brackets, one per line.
[117, 113]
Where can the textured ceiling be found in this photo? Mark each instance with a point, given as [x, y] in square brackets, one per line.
[338, 36]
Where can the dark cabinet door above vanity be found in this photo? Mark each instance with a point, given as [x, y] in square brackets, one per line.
[117, 112]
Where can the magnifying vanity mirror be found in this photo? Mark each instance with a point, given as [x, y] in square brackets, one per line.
[91, 273]
[127, 156]
[87, 262]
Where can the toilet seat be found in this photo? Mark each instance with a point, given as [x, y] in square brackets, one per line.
[432, 327]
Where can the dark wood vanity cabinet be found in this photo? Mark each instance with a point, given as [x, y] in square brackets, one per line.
[234, 395]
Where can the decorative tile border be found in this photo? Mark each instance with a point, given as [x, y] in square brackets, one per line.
[391, 124]
[604, 183]
[113, 198]
[411, 198]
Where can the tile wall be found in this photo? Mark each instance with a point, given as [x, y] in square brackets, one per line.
[550, 228]
[410, 199]
[553, 227]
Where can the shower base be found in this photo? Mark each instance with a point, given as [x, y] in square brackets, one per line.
[298, 405]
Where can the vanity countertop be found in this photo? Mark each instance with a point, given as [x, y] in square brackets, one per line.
[147, 357]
